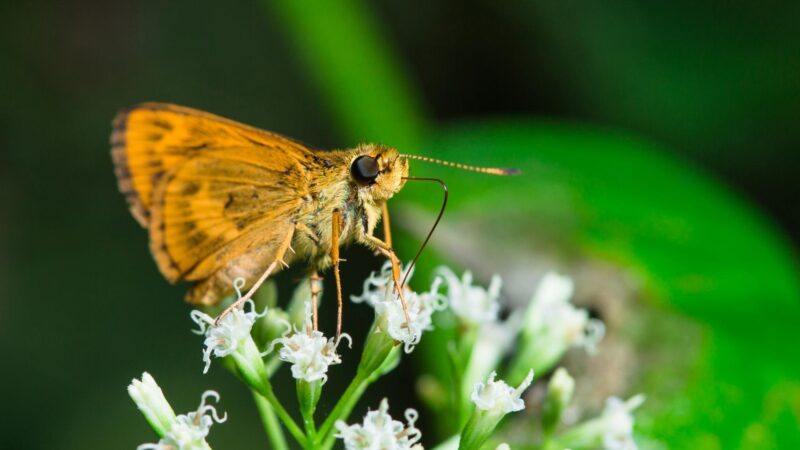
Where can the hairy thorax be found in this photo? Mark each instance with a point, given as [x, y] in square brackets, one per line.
[359, 205]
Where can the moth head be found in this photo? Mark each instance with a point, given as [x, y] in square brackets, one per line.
[378, 171]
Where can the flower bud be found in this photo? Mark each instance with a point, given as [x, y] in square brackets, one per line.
[301, 296]
[151, 402]
[185, 431]
[559, 394]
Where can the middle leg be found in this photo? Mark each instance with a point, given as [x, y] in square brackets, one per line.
[387, 250]
[336, 224]
[315, 282]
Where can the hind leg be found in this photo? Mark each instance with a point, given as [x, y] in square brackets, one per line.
[271, 268]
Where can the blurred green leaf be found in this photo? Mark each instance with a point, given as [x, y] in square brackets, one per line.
[591, 194]
[623, 198]
[347, 57]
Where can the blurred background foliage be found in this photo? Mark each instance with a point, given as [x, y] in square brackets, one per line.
[658, 142]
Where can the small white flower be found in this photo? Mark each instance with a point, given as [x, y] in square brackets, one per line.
[309, 352]
[182, 432]
[379, 292]
[551, 315]
[472, 304]
[503, 446]
[380, 432]
[559, 395]
[498, 397]
[618, 423]
[232, 331]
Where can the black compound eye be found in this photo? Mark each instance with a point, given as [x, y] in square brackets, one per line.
[364, 169]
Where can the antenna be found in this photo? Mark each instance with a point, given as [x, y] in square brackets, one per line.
[430, 233]
[503, 171]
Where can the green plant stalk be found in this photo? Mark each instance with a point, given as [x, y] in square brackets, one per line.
[361, 80]
[459, 409]
[389, 363]
[478, 430]
[466, 343]
[343, 407]
[268, 418]
[537, 355]
[587, 434]
[307, 397]
[328, 440]
[266, 392]
[375, 355]
[270, 421]
[272, 365]
[253, 371]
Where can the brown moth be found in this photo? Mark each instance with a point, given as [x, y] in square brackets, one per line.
[223, 200]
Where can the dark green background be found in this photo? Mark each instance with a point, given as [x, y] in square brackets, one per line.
[662, 138]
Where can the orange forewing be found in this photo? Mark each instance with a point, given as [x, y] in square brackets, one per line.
[210, 190]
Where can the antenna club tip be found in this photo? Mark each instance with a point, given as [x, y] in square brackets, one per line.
[511, 171]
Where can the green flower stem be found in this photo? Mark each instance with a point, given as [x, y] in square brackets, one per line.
[268, 418]
[536, 354]
[373, 364]
[343, 407]
[270, 421]
[459, 408]
[329, 440]
[478, 429]
[308, 396]
[266, 392]
[586, 434]
[253, 371]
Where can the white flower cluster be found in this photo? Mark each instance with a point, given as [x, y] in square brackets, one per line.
[498, 397]
[472, 304]
[552, 318]
[380, 293]
[309, 352]
[231, 332]
[380, 432]
[182, 432]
